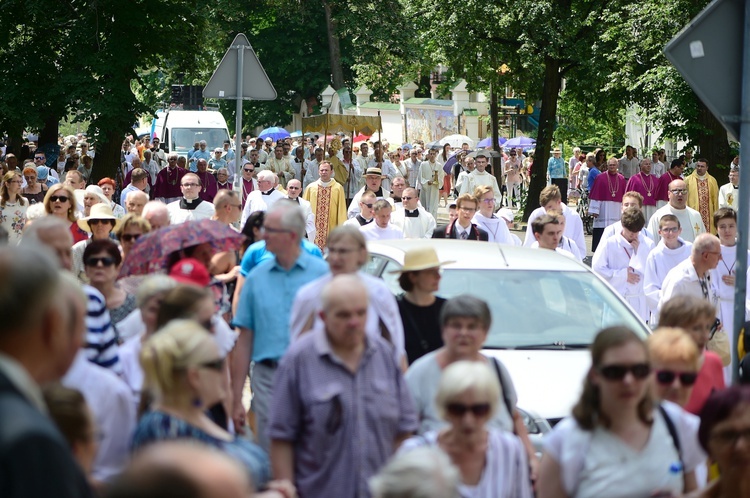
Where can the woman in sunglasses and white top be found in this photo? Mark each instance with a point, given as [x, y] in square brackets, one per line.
[492, 462]
[618, 442]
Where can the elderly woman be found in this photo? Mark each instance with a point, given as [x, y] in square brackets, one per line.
[418, 473]
[35, 190]
[60, 201]
[696, 316]
[101, 261]
[184, 372]
[12, 206]
[492, 462]
[91, 196]
[99, 223]
[419, 307]
[130, 228]
[108, 188]
[617, 442]
[725, 435]
[465, 322]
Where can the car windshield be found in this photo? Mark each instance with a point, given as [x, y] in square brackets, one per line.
[184, 138]
[537, 309]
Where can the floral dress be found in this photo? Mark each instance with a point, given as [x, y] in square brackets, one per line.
[13, 219]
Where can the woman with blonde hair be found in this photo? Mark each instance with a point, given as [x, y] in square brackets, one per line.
[131, 227]
[616, 432]
[60, 201]
[492, 462]
[183, 372]
[12, 206]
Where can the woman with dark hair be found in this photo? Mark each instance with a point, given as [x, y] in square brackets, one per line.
[101, 261]
[617, 442]
[442, 159]
[252, 229]
[725, 435]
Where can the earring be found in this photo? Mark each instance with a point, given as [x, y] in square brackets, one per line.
[197, 402]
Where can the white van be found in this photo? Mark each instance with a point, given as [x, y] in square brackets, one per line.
[183, 128]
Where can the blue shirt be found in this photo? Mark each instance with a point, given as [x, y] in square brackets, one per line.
[266, 302]
[556, 167]
[198, 154]
[257, 253]
[593, 173]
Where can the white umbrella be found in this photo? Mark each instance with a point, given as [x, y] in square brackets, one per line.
[456, 141]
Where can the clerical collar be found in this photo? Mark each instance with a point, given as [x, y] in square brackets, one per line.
[326, 184]
[362, 221]
[296, 199]
[268, 192]
[190, 204]
[412, 214]
[379, 192]
[736, 186]
[395, 199]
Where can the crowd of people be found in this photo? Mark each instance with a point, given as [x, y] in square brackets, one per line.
[122, 384]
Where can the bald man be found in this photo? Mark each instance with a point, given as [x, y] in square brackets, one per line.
[690, 219]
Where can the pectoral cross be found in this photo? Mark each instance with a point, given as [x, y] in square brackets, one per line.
[697, 228]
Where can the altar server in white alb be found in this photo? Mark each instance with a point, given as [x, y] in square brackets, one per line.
[550, 199]
[382, 228]
[668, 253]
[414, 221]
[486, 219]
[621, 260]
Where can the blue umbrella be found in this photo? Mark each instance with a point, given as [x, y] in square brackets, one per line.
[406, 146]
[274, 132]
[487, 142]
[520, 142]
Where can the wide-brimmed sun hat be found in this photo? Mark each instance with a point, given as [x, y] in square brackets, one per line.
[421, 258]
[99, 211]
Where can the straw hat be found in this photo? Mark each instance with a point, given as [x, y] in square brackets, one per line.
[99, 211]
[421, 258]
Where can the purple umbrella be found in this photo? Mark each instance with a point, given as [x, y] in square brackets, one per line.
[151, 251]
[487, 142]
[448, 166]
[520, 142]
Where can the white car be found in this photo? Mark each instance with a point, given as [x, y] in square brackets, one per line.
[546, 310]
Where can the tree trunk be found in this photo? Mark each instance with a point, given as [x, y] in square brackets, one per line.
[547, 120]
[713, 144]
[107, 160]
[337, 72]
[48, 134]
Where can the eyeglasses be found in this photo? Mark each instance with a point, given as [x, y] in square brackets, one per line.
[369, 206]
[459, 409]
[60, 198]
[618, 372]
[489, 201]
[667, 377]
[105, 261]
[190, 185]
[730, 437]
[217, 365]
[274, 230]
[172, 160]
[670, 229]
[679, 191]
[248, 170]
[467, 209]
[96, 222]
[130, 237]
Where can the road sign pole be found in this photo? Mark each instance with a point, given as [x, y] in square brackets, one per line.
[238, 120]
[743, 216]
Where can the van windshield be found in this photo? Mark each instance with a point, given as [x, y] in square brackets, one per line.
[182, 139]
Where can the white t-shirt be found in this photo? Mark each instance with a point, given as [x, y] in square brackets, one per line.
[597, 463]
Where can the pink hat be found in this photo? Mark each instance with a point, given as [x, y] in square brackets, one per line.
[190, 271]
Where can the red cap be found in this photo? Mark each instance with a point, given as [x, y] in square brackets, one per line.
[190, 271]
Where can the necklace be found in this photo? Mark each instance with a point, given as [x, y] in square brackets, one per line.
[730, 269]
[203, 181]
[613, 191]
[648, 188]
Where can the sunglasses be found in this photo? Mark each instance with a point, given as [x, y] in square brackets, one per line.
[217, 365]
[618, 372]
[130, 237]
[368, 205]
[60, 198]
[667, 377]
[40, 159]
[248, 170]
[96, 222]
[459, 409]
[105, 261]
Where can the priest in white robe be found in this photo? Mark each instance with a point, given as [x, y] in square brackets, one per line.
[431, 177]
[414, 221]
[690, 219]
